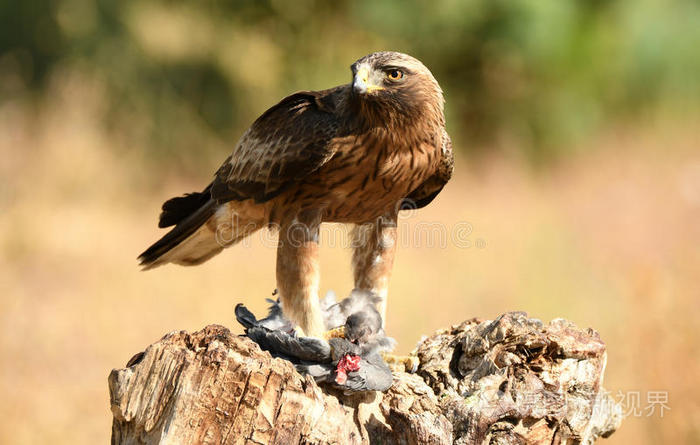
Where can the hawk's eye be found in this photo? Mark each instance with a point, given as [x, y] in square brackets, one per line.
[394, 74]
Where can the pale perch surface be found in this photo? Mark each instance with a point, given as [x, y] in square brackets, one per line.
[513, 380]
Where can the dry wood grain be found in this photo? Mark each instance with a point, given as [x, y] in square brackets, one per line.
[507, 381]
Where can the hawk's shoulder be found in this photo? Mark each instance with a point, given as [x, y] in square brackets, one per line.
[286, 143]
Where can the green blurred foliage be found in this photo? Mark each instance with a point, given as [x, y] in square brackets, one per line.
[538, 74]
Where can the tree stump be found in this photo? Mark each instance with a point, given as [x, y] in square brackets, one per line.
[513, 380]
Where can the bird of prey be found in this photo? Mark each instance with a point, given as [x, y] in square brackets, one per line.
[350, 360]
[357, 153]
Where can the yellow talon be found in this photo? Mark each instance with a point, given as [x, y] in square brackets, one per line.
[401, 363]
[338, 332]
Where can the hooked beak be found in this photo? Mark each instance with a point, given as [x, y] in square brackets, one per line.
[362, 83]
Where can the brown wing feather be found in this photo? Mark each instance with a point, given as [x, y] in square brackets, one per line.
[288, 142]
[431, 187]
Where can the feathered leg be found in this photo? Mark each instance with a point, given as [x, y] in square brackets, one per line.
[372, 261]
[298, 272]
[374, 246]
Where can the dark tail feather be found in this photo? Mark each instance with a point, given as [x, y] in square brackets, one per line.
[281, 344]
[186, 226]
[177, 209]
[245, 317]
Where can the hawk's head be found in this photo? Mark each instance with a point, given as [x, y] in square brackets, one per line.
[392, 85]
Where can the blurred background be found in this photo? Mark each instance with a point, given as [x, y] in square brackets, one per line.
[576, 192]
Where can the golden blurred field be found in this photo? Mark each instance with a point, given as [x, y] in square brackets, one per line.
[608, 238]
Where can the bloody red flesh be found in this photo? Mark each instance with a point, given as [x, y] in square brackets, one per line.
[347, 363]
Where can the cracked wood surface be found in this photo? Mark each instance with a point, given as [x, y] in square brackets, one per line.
[513, 380]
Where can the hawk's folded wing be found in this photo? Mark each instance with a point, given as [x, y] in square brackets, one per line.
[431, 187]
[288, 142]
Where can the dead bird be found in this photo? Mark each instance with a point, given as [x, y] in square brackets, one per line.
[349, 358]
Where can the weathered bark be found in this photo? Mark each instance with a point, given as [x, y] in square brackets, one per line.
[507, 381]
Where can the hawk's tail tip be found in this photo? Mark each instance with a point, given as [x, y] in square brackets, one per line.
[148, 260]
[145, 265]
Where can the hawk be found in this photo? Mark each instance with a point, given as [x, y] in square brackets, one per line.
[357, 153]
